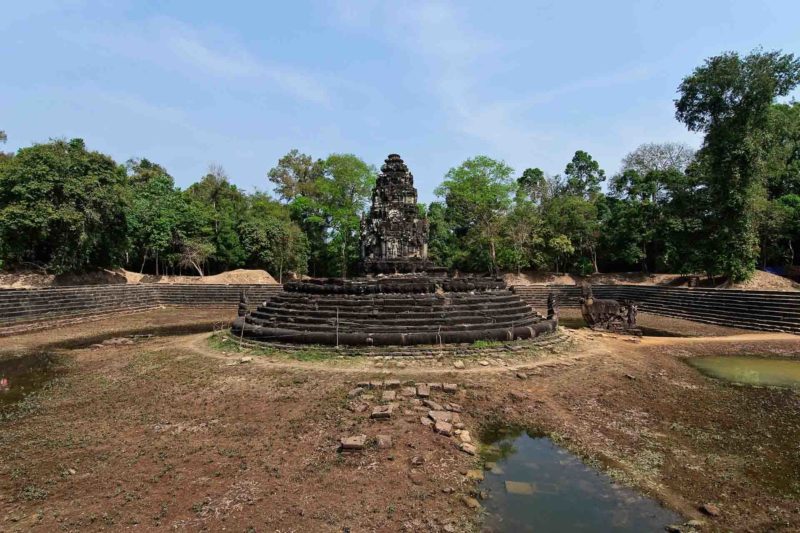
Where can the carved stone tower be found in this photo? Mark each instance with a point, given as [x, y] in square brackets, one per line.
[394, 236]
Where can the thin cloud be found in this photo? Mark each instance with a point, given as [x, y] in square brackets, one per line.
[174, 44]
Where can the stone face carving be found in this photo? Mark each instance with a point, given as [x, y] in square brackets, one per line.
[244, 304]
[613, 315]
[394, 236]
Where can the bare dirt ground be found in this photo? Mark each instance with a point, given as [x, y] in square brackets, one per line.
[176, 432]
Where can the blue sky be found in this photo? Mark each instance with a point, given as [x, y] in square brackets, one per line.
[187, 84]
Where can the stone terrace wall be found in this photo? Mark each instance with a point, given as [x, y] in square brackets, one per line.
[25, 309]
[760, 310]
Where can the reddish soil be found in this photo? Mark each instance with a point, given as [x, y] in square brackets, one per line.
[175, 432]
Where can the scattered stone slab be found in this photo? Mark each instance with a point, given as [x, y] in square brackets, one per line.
[475, 475]
[440, 416]
[389, 396]
[449, 387]
[520, 487]
[357, 407]
[459, 365]
[423, 390]
[384, 441]
[522, 375]
[353, 443]
[417, 460]
[454, 407]
[468, 448]
[484, 362]
[382, 411]
[710, 509]
[408, 392]
[443, 428]
[355, 392]
[464, 436]
[471, 502]
[392, 383]
[375, 384]
[363, 384]
[432, 405]
[244, 359]
[435, 386]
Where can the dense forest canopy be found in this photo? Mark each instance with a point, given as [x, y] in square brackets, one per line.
[722, 210]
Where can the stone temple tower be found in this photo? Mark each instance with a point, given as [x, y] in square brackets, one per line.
[394, 236]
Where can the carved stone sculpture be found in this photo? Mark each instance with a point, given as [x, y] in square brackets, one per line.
[605, 314]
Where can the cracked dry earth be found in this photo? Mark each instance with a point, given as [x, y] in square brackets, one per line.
[185, 433]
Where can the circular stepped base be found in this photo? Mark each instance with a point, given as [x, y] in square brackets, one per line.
[419, 351]
[401, 311]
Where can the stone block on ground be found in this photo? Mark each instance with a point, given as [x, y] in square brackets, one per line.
[353, 443]
[392, 383]
[440, 416]
[475, 475]
[407, 392]
[382, 411]
[426, 421]
[384, 441]
[443, 428]
[389, 396]
[423, 390]
[468, 448]
[432, 405]
[449, 387]
[355, 392]
[458, 364]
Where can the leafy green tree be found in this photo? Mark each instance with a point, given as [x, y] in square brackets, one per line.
[62, 208]
[577, 219]
[561, 248]
[729, 98]
[522, 233]
[295, 174]
[584, 175]
[157, 210]
[478, 194]
[343, 191]
[443, 248]
[221, 203]
[533, 185]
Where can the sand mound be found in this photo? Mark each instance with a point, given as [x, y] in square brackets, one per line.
[232, 277]
[765, 281]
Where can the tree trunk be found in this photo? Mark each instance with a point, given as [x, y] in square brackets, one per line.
[144, 260]
[196, 267]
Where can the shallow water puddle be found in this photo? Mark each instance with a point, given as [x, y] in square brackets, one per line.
[534, 485]
[750, 370]
[20, 376]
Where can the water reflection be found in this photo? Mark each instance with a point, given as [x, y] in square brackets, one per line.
[750, 370]
[536, 486]
[20, 376]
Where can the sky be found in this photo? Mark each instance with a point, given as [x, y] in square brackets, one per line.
[238, 84]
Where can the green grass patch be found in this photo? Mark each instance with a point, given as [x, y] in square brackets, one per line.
[487, 344]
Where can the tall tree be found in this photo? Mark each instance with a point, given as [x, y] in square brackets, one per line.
[62, 208]
[295, 174]
[216, 199]
[728, 98]
[343, 192]
[584, 175]
[478, 194]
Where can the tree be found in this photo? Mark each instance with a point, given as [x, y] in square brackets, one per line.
[522, 236]
[62, 208]
[658, 157]
[584, 175]
[343, 192]
[729, 98]
[215, 199]
[533, 185]
[295, 174]
[477, 194]
[157, 210]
